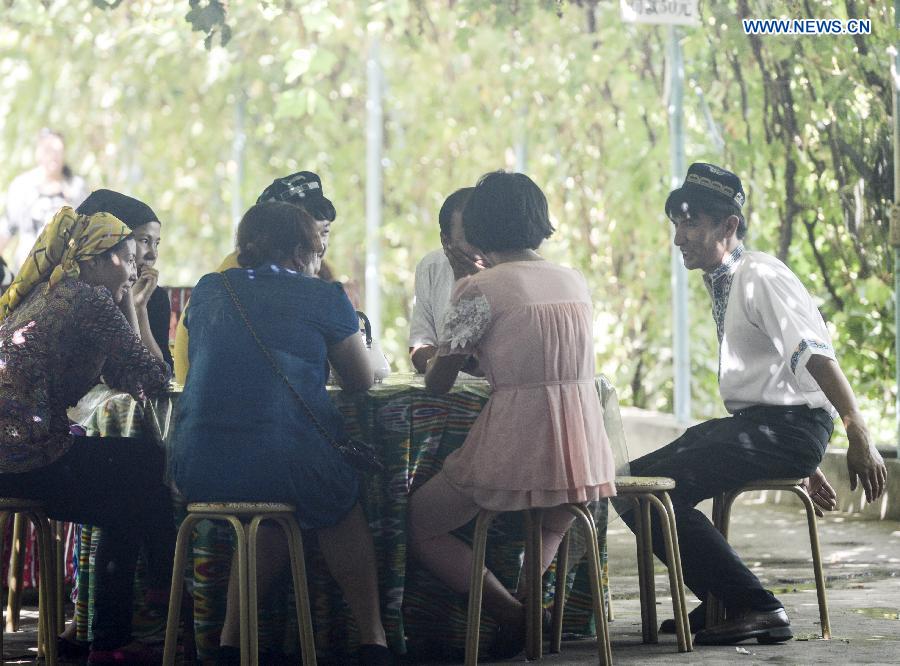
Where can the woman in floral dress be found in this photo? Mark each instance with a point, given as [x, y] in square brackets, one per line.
[63, 328]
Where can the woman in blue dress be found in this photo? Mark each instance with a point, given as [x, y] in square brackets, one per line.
[240, 435]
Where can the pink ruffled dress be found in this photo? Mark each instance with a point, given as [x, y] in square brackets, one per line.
[539, 441]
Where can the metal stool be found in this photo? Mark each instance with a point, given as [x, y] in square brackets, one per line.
[245, 518]
[721, 514]
[534, 615]
[16, 573]
[34, 511]
[645, 491]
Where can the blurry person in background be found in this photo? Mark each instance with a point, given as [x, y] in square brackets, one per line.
[36, 195]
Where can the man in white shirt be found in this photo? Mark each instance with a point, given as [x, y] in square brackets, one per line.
[435, 277]
[781, 383]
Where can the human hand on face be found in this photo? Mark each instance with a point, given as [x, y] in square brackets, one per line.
[144, 287]
[463, 263]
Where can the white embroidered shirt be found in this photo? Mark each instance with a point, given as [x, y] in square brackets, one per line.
[768, 328]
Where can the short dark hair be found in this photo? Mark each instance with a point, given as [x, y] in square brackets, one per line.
[269, 233]
[454, 203]
[506, 211]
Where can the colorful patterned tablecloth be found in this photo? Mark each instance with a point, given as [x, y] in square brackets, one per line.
[414, 432]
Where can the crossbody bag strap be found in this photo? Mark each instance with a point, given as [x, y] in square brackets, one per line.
[243, 313]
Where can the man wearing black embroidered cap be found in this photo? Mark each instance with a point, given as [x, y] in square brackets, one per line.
[781, 384]
[302, 189]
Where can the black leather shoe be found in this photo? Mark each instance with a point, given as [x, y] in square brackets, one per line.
[765, 626]
[696, 618]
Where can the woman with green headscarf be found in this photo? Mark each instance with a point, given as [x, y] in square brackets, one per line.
[61, 329]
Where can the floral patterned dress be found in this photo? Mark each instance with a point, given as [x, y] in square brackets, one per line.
[53, 348]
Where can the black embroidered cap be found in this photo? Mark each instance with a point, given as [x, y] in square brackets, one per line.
[292, 188]
[303, 189]
[706, 183]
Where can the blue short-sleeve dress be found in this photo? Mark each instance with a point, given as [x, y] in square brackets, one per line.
[239, 433]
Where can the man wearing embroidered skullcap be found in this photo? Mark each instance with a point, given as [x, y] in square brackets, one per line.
[782, 386]
[303, 189]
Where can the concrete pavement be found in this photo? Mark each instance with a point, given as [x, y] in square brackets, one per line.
[862, 561]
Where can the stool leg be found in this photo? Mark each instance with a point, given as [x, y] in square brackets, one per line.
[16, 571]
[593, 552]
[182, 543]
[715, 610]
[252, 589]
[41, 589]
[607, 594]
[673, 529]
[676, 585]
[46, 559]
[642, 574]
[650, 577]
[535, 581]
[60, 533]
[3, 520]
[817, 560]
[42, 616]
[247, 657]
[476, 587]
[727, 504]
[559, 596]
[190, 640]
[301, 590]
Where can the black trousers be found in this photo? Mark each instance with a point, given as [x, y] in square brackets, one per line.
[721, 455]
[117, 484]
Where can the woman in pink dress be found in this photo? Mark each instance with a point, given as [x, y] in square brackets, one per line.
[539, 441]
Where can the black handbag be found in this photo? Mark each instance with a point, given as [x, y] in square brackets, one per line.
[357, 453]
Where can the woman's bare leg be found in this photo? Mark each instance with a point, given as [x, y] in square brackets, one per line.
[555, 522]
[349, 552]
[436, 509]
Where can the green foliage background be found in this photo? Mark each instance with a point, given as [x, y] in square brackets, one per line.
[151, 107]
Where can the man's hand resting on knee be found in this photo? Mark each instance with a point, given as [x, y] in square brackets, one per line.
[820, 491]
